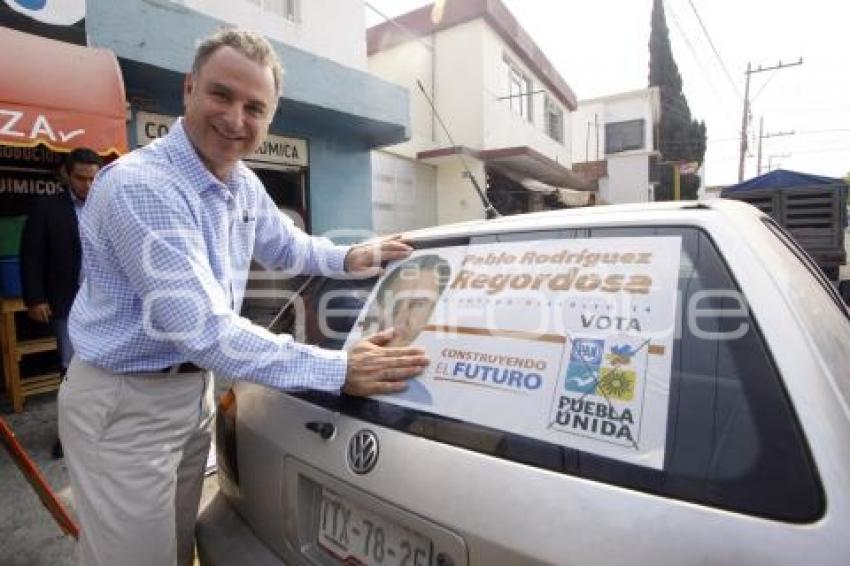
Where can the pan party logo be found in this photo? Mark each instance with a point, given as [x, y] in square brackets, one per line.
[592, 372]
[600, 387]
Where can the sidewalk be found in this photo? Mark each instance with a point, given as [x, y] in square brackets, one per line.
[28, 534]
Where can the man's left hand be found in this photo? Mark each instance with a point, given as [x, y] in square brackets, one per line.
[366, 259]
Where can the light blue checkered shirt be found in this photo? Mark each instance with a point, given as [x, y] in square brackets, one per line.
[166, 252]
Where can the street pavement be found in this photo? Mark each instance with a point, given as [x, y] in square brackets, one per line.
[28, 534]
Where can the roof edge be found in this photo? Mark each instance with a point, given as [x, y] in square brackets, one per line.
[577, 181]
[417, 23]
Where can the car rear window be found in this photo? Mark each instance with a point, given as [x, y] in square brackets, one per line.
[653, 377]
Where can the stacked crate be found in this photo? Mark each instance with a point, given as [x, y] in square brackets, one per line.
[16, 343]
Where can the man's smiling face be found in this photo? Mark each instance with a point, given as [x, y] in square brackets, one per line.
[229, 104]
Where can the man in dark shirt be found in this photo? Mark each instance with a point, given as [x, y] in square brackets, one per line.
[51, 252]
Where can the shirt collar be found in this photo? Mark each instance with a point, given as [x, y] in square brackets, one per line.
[183, 154]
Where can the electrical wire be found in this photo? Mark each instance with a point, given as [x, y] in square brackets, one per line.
[827, 131]
[837, 149]
[714, 48]
[394, 21]
[767, 82]
[699, 61]
[812, 110]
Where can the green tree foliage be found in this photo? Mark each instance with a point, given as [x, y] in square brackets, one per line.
[681, 138]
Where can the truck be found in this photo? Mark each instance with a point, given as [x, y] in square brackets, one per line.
[812, 208]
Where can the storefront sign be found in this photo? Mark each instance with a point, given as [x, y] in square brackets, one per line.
[27, 173]
[29, 125]
[19, 188]
[151, 126]
[60, 130]
[29, 184]
[281, 151]
[29, 157]
[277, 150]
[566, 341]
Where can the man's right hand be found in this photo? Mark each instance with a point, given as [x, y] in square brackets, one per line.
[374, 369]
[40, 312]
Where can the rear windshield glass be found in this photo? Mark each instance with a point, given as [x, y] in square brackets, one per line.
[621, 355]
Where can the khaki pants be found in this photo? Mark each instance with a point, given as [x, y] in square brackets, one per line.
[135, 447]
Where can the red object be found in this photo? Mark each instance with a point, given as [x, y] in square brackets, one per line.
[60, 95]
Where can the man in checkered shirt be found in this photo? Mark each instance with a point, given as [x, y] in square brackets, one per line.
[168, 234]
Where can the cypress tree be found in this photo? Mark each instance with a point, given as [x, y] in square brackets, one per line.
[681, 138]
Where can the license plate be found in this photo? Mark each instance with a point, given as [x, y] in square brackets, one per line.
[355, 535]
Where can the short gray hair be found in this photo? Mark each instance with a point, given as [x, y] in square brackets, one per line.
[250, 44]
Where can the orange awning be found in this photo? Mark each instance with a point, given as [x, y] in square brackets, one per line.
[61, 95]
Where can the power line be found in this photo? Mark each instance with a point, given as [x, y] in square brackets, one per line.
[811, 110]
[411, 36]
[714, 48]
[826, 131]
[764, 86]
[710, 141]
[698, 60]
[838, 149]
[722, 140]
[830, 149]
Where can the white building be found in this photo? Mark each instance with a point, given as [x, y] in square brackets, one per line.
[506, 107]
[614, 141]
[331, 29]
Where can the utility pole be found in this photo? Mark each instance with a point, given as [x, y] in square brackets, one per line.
[744, 124]
[596, 133]
[763, 136]
[677, 182]
[745, 120]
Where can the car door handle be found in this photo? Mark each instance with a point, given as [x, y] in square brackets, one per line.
[324, 429]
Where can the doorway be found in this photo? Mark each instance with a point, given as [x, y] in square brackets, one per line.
[267, 290]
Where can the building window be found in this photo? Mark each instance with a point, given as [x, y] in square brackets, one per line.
[288, 9]
[553, 117]
[519, 91]
[623, 136]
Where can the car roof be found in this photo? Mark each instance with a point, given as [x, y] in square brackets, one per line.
[675, 212]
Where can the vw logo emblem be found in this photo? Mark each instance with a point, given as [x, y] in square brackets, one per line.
[363, 452]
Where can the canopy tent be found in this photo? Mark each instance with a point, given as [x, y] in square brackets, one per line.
[60, 95]
[781, 179]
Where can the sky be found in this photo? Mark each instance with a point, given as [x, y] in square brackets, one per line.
[600, 47]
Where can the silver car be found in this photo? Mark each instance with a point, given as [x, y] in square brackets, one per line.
[728, 427]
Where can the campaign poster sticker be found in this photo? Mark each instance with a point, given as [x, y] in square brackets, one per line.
[566, 341]
[603, 388]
